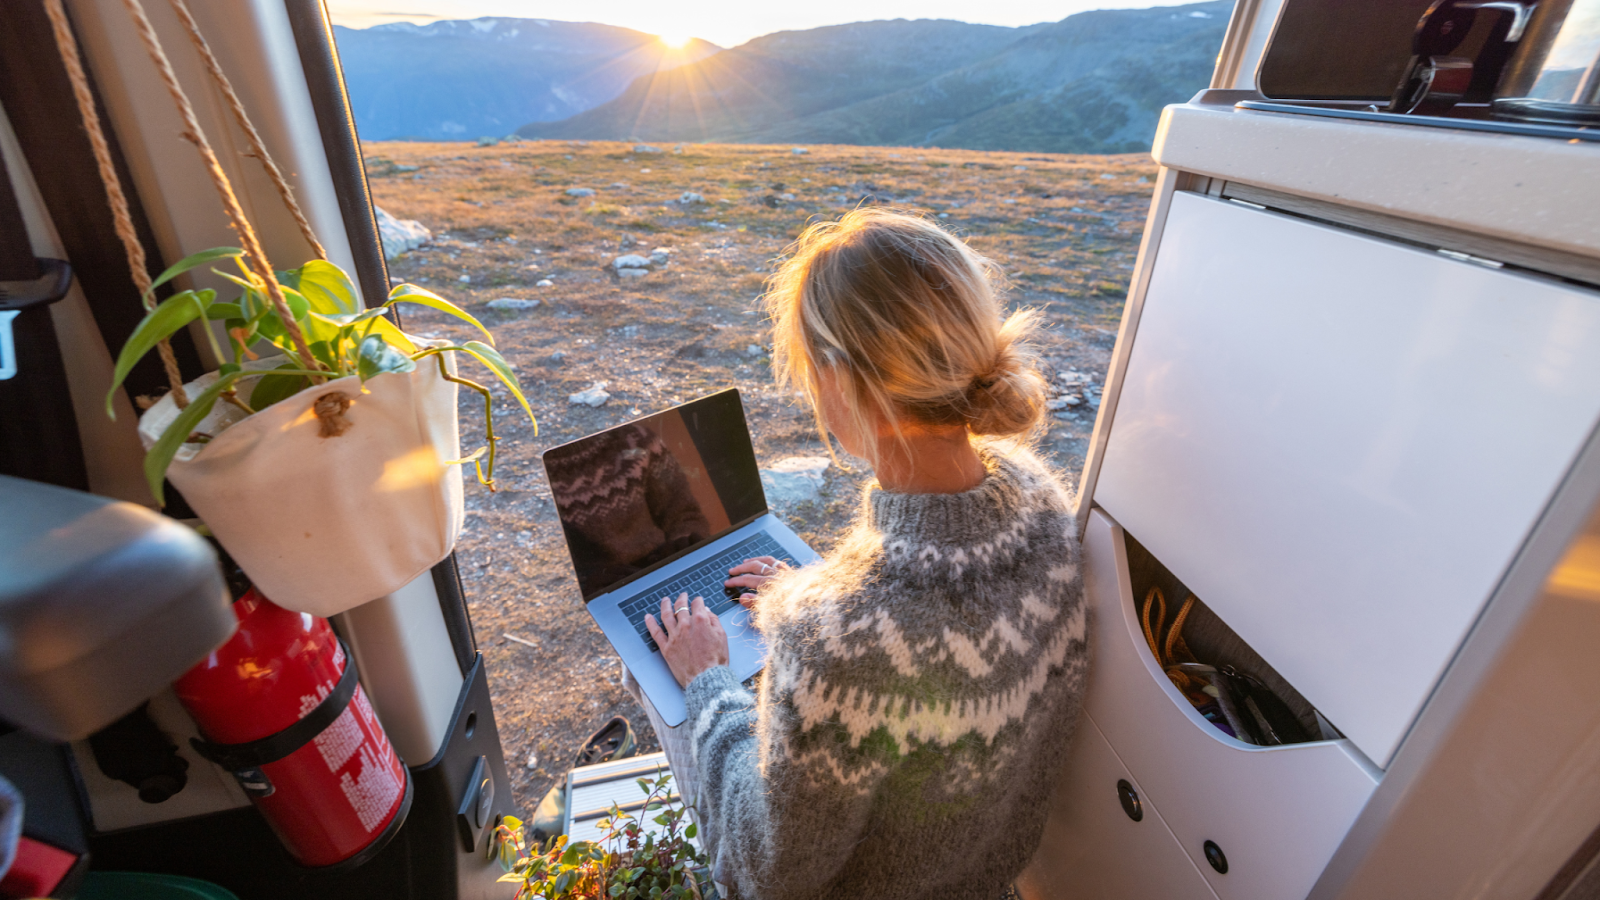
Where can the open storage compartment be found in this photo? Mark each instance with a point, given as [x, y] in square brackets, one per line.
[1173, 616]
[1276, 814]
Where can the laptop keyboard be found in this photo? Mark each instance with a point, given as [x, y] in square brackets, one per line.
[704, 580]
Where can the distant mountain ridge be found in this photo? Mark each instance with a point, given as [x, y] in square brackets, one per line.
[1094, 82]
[463, 79]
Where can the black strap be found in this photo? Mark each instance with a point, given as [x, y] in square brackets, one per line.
[273, 747]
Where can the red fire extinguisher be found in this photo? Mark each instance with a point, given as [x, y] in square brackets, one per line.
[280, 707]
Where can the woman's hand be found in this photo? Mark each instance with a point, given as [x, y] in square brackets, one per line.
[690, 637]
[751, 575]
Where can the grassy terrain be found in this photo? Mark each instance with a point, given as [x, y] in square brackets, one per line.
[1065, 229]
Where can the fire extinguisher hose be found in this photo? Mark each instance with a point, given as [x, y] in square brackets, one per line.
[273, 747]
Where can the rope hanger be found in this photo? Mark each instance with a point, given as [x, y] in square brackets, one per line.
[255, 257]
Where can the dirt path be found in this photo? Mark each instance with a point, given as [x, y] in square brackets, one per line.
[1065, 229]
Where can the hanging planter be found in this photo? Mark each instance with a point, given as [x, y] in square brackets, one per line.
[327, 495]
[324, 452]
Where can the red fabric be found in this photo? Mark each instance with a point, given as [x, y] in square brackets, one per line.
[37, 870]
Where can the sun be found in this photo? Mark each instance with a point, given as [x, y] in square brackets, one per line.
[676, 41]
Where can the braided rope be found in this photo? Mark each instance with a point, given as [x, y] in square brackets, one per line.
[258, 149]
[122, 219]
[219, 179]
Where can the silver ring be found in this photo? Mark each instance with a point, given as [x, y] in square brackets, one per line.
[680, 609]
[766, 568]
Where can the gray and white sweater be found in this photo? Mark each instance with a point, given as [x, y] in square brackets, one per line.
[923, 684]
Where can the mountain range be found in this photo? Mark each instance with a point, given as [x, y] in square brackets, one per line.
[463, 79]
[1094, 82]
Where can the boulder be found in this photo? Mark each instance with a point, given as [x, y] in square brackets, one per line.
[797, 479]
[511, 304]
[645, 148]
[544, 282]
[799, 151]
[488, 141]
[595, 396]
[630, 261]
[580, 192]
[690, 197]
[400, 235]
[632, 273]
[660, 256]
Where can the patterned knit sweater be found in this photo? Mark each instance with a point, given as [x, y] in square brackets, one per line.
[923, 684]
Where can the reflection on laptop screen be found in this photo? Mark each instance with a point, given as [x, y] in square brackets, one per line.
[635, 496]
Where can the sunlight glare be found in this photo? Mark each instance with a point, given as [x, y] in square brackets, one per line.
[676, 41]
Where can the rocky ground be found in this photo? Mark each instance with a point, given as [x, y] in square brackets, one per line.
[546, 221]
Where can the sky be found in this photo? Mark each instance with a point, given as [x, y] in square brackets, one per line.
[721, 22]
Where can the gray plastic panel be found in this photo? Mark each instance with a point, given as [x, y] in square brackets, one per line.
[102, 604]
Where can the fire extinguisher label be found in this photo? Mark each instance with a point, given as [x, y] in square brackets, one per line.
[255, 782]
[372, 792]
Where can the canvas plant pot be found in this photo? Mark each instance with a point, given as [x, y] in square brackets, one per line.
[324, 524]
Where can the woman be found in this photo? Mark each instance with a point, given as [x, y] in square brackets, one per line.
[925, 677]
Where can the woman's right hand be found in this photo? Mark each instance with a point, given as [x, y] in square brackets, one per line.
[751, 574]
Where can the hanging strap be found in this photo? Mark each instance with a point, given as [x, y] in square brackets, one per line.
[258, 148]
[122, 219]
[255, 257]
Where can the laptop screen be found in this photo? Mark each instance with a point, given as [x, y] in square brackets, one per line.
[641, 494]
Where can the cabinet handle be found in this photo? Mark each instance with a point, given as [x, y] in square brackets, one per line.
[1130, 800]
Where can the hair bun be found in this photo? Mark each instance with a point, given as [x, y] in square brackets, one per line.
[1008, 398]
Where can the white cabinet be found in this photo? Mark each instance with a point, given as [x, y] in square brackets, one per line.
[1339, 442]
[1092, 850]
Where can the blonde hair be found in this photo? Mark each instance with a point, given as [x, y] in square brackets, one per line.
[909, 317]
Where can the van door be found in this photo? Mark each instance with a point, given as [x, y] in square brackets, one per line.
[415, 649]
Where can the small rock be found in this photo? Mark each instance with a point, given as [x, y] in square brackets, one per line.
[786, 196]
[544, 282]
[595, 396]
[1008, 200]
[580, 192]
[944, 215]
[1020, 168]
[630, 261]
[533, 760]
[1107, 176]
[405, 168]
[688, 197]
[645, 148]
[798, 479]
[400, 235]
[678, 148]
[1140, 180]
[660, 256]
[753, 350]
[632, 273]
[558, 356]
[512, 303]
[799, 151]
[488, 141]
[1064, 402]
[465, 279]
[511, 139]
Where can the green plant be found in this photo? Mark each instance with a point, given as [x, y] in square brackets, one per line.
[628, 863]
[340, 339]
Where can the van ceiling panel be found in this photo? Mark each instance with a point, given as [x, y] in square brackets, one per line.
[1339, 443]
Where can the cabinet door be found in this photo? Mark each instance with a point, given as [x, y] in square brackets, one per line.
[1092, 850]
[1339, 443]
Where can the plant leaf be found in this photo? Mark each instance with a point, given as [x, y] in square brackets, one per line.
[376, 357]
[193, 261]
[327, 287]
[410, 293]
[160, 323]
[224, 311]
[166, 447]
[497, 364]
[275, 388]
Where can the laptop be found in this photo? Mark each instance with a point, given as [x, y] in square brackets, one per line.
[663, 505]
